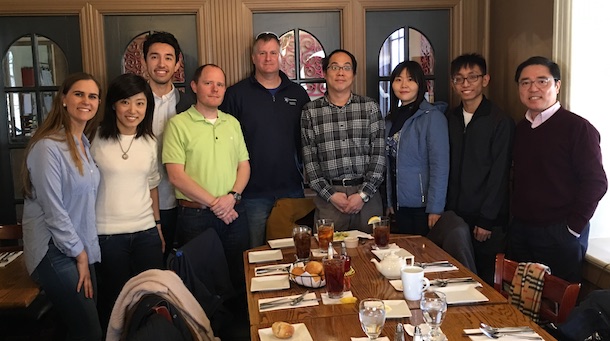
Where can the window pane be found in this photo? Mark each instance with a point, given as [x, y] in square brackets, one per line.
[392, 52]
[133, 60]
[52, 62]
[420, 50]
[384, 97]
[47, 102]
[18, 64]
[16, 162]
[311, 52]
[429, 95]
[287, 59]
[314, 90]
[22, 118]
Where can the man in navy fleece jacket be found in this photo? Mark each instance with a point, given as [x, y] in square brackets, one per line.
[558, 175]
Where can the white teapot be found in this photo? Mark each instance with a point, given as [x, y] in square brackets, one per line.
[391, 265]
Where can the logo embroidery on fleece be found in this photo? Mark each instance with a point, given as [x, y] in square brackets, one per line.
[291, 101]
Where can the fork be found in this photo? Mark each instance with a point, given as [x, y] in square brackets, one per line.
[499, 335]
[281, 301]
[272, 269]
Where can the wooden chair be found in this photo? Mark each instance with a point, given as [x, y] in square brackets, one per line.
[11, 238]
[285, 214]
[558, 295]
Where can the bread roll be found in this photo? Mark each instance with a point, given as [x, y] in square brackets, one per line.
[282, 330]
[314, 267]
[297, 271]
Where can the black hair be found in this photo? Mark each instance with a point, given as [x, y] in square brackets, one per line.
[326, 60]
[538, 60]
[162, 37]
[468, 60]
[417, 73]
[125, 86]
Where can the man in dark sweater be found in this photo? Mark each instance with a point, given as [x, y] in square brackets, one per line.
[558, 175]
[481, 138]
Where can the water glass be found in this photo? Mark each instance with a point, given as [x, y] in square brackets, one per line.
[433, 305]
[372, 317]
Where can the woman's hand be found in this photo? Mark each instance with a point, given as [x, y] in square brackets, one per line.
[84, 277]
[432, 219]
[162, 239]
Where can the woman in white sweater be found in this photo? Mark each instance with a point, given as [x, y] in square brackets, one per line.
[127, 207]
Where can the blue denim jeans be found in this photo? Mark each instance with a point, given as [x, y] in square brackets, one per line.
[168, 227]
[234, 237]
[58, 276]
[258, 209]
[124, 256]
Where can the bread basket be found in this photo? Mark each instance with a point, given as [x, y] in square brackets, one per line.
[306, 279]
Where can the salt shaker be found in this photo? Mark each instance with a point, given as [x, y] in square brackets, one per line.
[417, 334]
[400, 333]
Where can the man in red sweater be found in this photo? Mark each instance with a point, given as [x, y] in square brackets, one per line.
[558, 175]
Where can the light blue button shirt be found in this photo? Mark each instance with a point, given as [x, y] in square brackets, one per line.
[62, 206]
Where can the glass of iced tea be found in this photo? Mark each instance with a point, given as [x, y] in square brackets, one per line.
[325, 229]
[301, 235]
[334, 271]
[381, 232]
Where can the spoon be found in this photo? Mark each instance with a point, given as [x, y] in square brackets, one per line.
[439, 282]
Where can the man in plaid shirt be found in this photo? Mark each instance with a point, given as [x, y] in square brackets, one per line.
[344, 148]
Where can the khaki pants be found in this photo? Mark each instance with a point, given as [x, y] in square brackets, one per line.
[344, 222]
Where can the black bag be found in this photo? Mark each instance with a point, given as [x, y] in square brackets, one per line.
[154, 318]
[589, 321]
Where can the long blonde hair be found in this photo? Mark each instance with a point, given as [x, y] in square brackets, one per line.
[57, 126]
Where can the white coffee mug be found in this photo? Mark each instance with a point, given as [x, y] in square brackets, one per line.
[413, 282]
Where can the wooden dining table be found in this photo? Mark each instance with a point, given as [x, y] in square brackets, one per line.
[340, 322]
[17, 289]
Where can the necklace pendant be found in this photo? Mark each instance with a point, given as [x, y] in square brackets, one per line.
[125, 156]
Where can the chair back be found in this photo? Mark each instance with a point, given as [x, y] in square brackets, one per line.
[285, 214]
[11, 238]
[558, 295]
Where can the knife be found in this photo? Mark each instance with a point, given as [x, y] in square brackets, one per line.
[284, 300]
[509, 330]
[278, 304]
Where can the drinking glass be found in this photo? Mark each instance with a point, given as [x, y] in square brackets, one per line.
[372, 317]
[433, 305]
[301, 235]
[326, 230]
[381, 232]
[334, 271]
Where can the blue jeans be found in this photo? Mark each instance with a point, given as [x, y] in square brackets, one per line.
[258, 209]
[124, 256]
[58, 276]
[168, 227]
[234, 237]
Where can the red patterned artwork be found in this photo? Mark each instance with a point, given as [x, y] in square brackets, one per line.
[133, 56]
[311, 53]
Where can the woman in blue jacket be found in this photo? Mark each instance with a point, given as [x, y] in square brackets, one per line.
[417, 152]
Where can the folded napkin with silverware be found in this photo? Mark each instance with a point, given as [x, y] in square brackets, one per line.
[507, 333]
[7, 257]
[275, 269]
[307, 299]
[440, 266]
[381, 338]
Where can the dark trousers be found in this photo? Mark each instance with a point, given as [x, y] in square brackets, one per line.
[124, 256]
[168, 227]
[552, 245]
[412, 220]
[234, 237]
[58, 276]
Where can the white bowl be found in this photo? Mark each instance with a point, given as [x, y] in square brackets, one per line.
[351, 242]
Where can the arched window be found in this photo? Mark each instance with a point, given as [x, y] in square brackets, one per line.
[34, 68]
[309, 64]
[416, 47]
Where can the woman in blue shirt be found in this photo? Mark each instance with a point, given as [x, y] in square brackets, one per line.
[60, 184]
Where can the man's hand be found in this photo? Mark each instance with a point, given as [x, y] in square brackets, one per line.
[229, 216]
[223, 205]
[389, 211]
[339, 200]
[481, 234]
[355, 204]
[84, 277]
[432, 219]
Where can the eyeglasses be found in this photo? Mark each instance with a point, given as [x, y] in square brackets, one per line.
[471, 79]
[346, 68]
[540, 83]
[266, 36]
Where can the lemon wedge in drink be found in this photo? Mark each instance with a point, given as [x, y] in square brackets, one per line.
[346, 300]
[374, 219]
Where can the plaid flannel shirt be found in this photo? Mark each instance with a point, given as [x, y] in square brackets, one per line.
[343, 143]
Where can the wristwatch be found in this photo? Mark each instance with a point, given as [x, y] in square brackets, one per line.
[236, 195]
[365, 197]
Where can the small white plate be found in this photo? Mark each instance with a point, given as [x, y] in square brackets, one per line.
[396, 309]
[268, 283]
[264, 256]
[281, 243]
[461, 294]
[300, 334]
[397, 284]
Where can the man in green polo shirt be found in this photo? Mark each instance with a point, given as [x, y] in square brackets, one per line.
[207, 162]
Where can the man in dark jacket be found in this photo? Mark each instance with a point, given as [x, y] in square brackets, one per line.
[268, 106]
[480, 139]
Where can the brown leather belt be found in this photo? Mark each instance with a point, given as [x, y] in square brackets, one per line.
[191, 204]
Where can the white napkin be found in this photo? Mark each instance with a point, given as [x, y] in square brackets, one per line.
[7, 260]
[282, 271]
[317, 254]
[436, 268]
[308, 301]
[381, 338]
[328, 300]
[518, 336]
[425, 329]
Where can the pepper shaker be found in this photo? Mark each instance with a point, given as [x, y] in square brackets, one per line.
[417, 336]
[400, 333]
